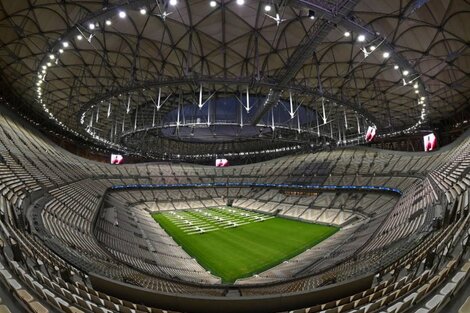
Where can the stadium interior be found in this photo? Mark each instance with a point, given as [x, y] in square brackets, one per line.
[300, 156]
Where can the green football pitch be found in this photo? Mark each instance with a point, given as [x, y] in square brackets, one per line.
[234, 243]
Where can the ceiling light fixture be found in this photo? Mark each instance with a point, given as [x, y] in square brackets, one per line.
[122, 14]
[267, 8]
[347, 34]
[79, 37]
[361, 38]
[143, 11]
[91, 26]
[213, 4]
[386, 55]
[240, 2]
[405, 73]
[108, 22]
[173, 2]
[311, 14]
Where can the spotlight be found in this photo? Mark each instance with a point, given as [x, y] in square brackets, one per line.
[311, 14]
[423, 98]
[143, 11]
[361, 38]
[122, 14]
[51, 56]
[347, 34]
[240, 2]
[416, 91]
[79, 37]
[396, 67]
[49, 64]
[267, 8]
[372, 48]
[65, 44]
[91, 26]
[213, 4]
[173, 2]
[61, 51]
[405, 73]
[386, 55]
[415, 86]
[108, 22]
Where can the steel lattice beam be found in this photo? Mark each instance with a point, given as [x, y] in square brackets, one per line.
[329, 16]
[314, 37]
[210, 80]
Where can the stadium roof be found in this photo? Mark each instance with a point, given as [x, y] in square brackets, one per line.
[115, 70]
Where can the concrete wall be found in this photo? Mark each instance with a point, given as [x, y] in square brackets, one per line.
[207, 304]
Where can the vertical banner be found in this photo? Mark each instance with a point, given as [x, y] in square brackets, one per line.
[370, 135]
[430, 142]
